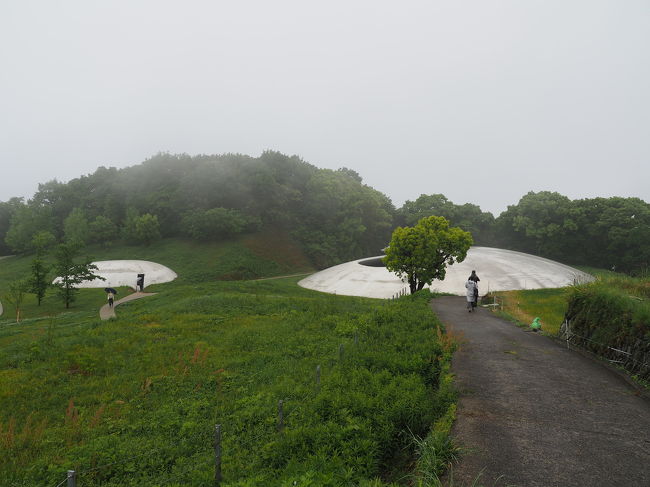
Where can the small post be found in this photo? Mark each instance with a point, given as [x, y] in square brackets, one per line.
[280, 416]
[72, 478]
[318, 376]
[356, 338]
[217, 456]
[341, 352]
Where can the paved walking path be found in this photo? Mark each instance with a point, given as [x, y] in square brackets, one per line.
[532, 413]
[106, 312]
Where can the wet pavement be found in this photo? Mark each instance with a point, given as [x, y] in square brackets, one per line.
[533, 413]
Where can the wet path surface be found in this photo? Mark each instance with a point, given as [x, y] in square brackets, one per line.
[532, 413]
[106, 312]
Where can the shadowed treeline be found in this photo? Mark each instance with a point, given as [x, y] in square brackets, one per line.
[332, 214]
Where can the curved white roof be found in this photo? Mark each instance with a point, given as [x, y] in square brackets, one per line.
[125, 273]
[498, 269]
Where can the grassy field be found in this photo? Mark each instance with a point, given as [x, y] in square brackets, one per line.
[254, 256]
[135, 400]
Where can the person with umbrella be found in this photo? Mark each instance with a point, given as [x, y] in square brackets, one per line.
[110, 295]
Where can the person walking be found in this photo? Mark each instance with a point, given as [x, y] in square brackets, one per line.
[476, 279]
[473, 277]
[111, 298]
[472, 290]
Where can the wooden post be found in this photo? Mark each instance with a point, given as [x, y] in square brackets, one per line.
[356, 338]
[72, 478]
[217, 456]
[341, 352]
[318, 376]
[280, 416]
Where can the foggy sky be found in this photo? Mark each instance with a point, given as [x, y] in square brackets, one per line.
[480, 100]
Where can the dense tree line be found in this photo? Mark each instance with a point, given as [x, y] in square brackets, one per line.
[600, 232]
[331, 213]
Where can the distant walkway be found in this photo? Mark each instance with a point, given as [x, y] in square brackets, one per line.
[106, 312]
[283, 277]
[533, 414]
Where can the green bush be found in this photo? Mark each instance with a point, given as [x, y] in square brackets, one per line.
[605, 319]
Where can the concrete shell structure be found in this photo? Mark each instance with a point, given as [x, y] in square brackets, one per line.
[498, 269]
[125, 273]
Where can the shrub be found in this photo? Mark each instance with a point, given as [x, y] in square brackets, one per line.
[606, 320]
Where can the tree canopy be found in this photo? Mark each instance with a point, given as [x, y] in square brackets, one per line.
[422, 253]
[331, 213]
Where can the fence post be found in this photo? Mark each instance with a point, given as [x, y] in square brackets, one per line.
[217, 456]
[341, 352]
[356, 338]
[280, 416]
[72, 478]
[318, 376]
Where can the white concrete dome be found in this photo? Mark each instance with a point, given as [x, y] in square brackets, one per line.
[125, 273]
[498, 269]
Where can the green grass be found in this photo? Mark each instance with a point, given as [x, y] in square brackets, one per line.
[523, 306]
[262, 255]
[134, 400]
[550, 305]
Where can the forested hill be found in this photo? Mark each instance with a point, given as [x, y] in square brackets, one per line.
[332, 214]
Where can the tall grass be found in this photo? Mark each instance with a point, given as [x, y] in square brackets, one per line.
[134, 400]
[611, 317]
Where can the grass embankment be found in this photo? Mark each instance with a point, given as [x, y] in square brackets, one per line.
[611, 318]
[522, 307]
[135, 400]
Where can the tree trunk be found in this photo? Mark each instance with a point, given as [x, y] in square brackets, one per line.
[412, 283]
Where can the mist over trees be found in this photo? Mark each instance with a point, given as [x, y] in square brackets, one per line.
[332, 214]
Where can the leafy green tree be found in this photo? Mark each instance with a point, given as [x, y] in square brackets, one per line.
[27, 220]
[340, 219]
[146, 229]
[71, 273]
[218, 223]
[42, 242]
[102, 230]
[469, 217]
[421, 253]
[16, 295]
[38, 281]
[76, 228]
[141, 229]
[7, 210]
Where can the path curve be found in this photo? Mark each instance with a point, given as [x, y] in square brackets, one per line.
[533, 414]
[106, 312]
